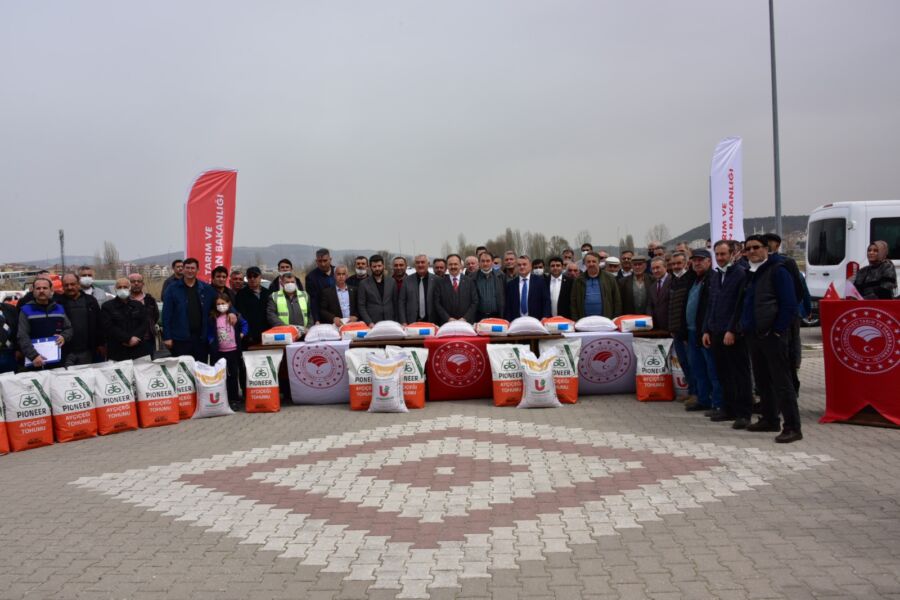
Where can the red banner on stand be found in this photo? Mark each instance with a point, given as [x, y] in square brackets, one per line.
[458, 368]
[209, 221]
[861, 340]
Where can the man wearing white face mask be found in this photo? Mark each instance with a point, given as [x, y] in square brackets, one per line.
[361, 264]
[86, 281]
[288, 306]
[124, 323]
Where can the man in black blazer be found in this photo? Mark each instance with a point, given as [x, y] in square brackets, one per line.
[658, 294]
[456, 298]
[537, 301]
[337, 305]
[560, 288]
[417, 294]
[377, 294]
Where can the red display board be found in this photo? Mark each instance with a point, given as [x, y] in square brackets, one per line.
[458, 368]
[861, 341]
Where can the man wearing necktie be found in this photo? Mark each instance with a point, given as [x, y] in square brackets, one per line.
[527, 295]
[456, 298]
[418, 293]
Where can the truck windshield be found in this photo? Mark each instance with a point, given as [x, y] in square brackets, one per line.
[826, 242]
[887, 229]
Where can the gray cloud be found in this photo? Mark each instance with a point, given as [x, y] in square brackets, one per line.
[358, 124]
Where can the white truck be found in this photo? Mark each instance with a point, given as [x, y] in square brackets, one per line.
[837, 236]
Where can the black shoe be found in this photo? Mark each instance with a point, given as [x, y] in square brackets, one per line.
[695, 407]
[763, 425]
[787, 436]
[235, 406]
[721, 416]
[740, 423]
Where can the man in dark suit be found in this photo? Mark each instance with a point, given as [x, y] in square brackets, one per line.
[526, 294]
[417, 294]
[337, 304]
[658, 294]
[560, 288]
[456, 298]
[376, 294]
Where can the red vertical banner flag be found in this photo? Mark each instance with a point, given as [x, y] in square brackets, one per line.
[861, 342]
[209, 221]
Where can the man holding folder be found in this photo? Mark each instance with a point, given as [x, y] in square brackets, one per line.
[43, 324]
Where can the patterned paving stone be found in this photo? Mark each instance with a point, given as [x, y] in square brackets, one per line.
[429, 504]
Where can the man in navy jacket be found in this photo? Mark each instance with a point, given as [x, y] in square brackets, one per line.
[729, 350]
[537, 303]
[186, 307]
[769, 304]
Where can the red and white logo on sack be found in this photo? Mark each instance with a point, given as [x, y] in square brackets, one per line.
[318, 366]
[866, 340]
[459, 364]
[604, 360]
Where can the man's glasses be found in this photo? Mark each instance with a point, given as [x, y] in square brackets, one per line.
[753, 247]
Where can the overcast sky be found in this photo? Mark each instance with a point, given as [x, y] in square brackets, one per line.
[373, 124]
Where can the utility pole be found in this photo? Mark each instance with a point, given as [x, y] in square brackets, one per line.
[778, 228]
[62, 249]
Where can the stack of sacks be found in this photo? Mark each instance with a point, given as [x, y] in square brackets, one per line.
[212, 392]
[565, 367]
[157, 396]
[72, 404]
[558, 324]
[595, 324]
[387, 383]
[281, 335]
[526, 326]
[420, 329]
[386, 330]
[322, 333]
[629, 323]
[537, 381]
[492, 327]
[354, 331]
[261, 391]
[29, 423]
[506, 372]
[456, 329]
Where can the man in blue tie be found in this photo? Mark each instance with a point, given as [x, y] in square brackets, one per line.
[526, 294]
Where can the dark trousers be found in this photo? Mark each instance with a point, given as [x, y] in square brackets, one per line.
[733, 368]
[196, 347]
[795, 352]
[80, 357]
[773, 370]
[233, 366]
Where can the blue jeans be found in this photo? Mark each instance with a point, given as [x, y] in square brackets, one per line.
[709, 392]
[681, 352]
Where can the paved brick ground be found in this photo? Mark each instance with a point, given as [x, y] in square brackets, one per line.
[609, 498]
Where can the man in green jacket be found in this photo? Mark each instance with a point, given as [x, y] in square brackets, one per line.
[595, 292]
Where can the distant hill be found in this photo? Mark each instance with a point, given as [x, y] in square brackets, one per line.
[753, 225]
[299, 254]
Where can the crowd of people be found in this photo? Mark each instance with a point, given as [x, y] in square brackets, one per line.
[733, 310]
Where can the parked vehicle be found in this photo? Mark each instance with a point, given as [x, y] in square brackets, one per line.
[837, 237]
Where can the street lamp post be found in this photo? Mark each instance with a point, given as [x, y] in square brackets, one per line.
[778, 228]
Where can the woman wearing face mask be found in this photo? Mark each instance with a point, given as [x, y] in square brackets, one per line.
[225, 342]
[124, 322]
[878, 279]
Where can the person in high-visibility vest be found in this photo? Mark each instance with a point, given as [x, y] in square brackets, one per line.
[288, 306]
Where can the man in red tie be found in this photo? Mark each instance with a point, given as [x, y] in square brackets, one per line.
[456, 297]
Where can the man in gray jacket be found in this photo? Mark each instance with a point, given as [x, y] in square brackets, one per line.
[377, 294]
[417, 294]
